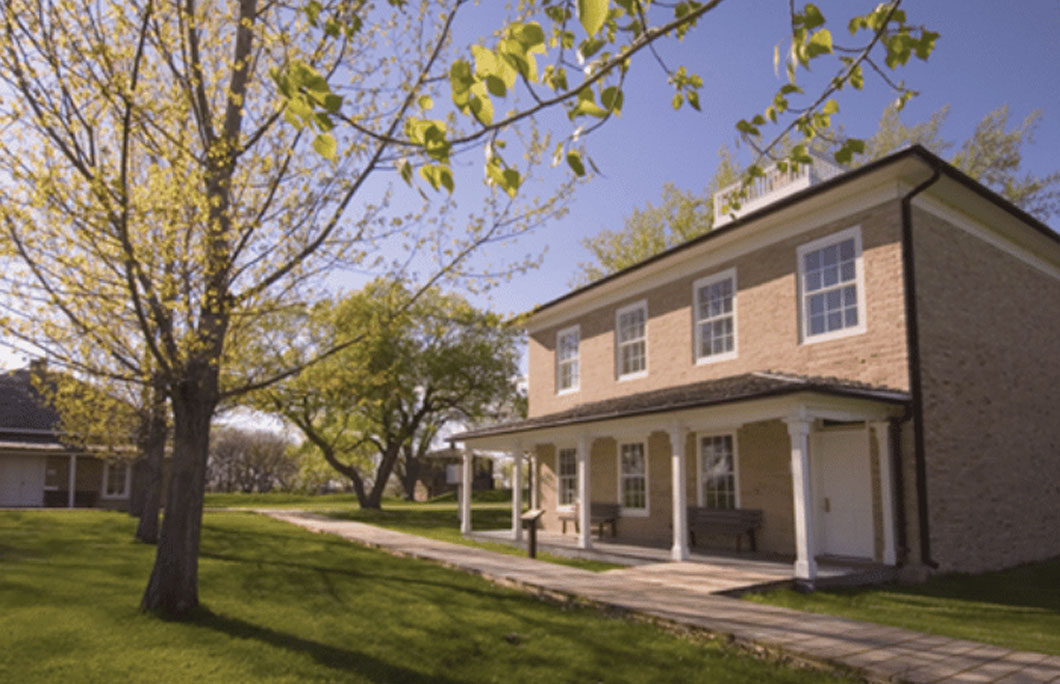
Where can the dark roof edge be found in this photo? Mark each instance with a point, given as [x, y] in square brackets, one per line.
[891, 397]
[926, 155]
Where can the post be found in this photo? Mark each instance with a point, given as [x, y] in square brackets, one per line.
[535, 478]
[465, 495]
[72, 481]
[679, 551]
[805, 544]
[883, 449]
[517, 493]
[585, 537]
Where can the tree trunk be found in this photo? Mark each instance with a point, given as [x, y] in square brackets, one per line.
[154, 450]
[139, 482]
[386, 467]
[409, 473]
[174, 585]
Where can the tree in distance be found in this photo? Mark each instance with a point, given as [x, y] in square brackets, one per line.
[420, 363]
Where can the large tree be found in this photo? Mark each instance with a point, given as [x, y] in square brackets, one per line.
[191, 167]
[421, 363]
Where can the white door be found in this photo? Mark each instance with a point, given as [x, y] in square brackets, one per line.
[842, 493]
[21, 481]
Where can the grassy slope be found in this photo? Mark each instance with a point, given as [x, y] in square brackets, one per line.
[285, 605]
[1018, 608]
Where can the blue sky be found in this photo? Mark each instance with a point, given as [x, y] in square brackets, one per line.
[989, 53]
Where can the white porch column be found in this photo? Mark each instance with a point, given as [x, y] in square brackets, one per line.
[465, 495]
[883, 449]
[72, 481]
[517, 493]
[585, 537]
[805, 544]
[679, 550]
[535, 482]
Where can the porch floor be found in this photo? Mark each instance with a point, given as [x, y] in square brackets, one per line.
[706, 572]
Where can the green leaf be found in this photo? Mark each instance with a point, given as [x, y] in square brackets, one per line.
[745, 126]
[812, 17]
[425, 102]
[496, 86]
[529, 35]
[612, 99]
[678, 100]
[405, 169]
[574, 161]
[587, 105]
[332, 103]
[820, 44]
[461, 80]
[591, 14]
[312, 11]
[481, 105]
[693, 100]
[325, 145]
[830, 107]
[510, 182]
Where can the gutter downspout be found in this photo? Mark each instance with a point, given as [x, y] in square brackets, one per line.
[912, 330]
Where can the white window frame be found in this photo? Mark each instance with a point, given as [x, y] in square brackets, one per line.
[641, 305]
[124, 494]
[572, 330]
[623, 510]
[701, 500]
[728, 274]
[859, 282]
[560, 506]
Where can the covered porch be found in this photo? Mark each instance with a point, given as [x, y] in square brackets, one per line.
[813, 459]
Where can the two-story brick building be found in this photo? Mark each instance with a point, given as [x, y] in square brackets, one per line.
[872, 361]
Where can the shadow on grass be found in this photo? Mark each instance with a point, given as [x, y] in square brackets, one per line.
[333, 657]
[450, 588]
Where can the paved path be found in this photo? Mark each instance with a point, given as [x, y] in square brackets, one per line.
[881, 653]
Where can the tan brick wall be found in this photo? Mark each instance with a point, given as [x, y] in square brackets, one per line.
[990, 346]
[764, 456]
[767, 325]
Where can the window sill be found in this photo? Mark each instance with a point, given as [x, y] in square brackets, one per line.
[633, 376]
[633, 512]
[834, 335]
[716, 358]
[569, 390]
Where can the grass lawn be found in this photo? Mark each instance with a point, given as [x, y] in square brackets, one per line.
[1017, 608]
[285, 605]
[438, 519]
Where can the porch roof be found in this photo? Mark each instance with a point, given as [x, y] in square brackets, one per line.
[732, 389]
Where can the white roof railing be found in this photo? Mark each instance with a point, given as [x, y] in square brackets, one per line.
[774, 185]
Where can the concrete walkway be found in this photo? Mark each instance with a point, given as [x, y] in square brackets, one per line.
[880, 653]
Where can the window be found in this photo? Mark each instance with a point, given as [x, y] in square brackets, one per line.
[715, 312]
[568, 476]
[567, 372]
[830, 276]
[633, 478]
[116, 480]
[717, 472]
[631, 340]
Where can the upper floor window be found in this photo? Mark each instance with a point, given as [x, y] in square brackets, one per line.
[568, 476]
[832, 286]
[715, 311]
[633, 478]
[717, 472]
[116, 479]
[631, 343]
[567, 371]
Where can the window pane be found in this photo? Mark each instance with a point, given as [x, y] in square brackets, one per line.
[846, 249]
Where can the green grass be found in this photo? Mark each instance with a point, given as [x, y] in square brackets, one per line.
[285, 605]
[440, 521]
[1017, 608]
[278, 500]
[436, 519]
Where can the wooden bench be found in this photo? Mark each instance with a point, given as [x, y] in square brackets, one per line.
[734, 521]
[600, 514]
